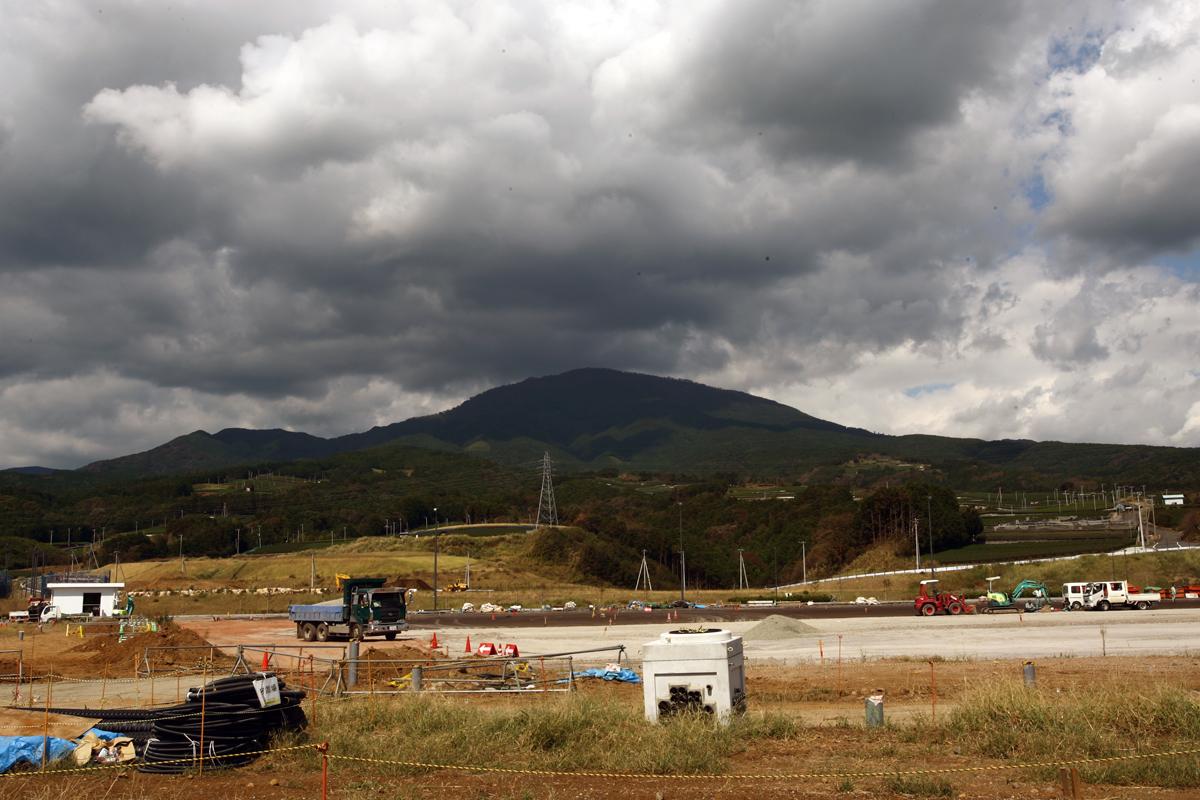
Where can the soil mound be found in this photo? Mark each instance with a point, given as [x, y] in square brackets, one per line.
[777, 628]
[105, 650]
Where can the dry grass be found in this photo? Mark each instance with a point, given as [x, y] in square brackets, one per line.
[557, 733]
[1009, 721]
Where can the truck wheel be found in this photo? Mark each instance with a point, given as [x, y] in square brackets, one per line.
[928, 610]
[1103, 605]
[391, 637]
[954, 608]
[1142, 605]
[1076, 605]
[355, 632]
[310, 632]
[322, 632]
[299, 630]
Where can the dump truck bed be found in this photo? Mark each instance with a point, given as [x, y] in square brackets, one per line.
[330, 613]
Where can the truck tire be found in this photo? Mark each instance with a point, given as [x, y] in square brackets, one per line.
[1076, 605]
[1142, 605]
[355, 632]
[1104, 605]
[391, 637]
[928, 610]
[954, 608]
[299, 630]
[322, 632]
[310, 632]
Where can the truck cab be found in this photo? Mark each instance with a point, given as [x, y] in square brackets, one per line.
[1105, 594]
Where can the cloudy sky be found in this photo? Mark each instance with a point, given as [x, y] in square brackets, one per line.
[968, 218]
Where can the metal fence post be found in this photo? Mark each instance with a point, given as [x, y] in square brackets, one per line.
[352, 671]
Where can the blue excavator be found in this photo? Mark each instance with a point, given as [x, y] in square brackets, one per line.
[1026, 596]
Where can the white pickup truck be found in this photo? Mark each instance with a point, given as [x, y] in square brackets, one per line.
[1108, 594]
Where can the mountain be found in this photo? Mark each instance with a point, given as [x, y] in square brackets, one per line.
[199, 451]
[602, 418]
[40, 471]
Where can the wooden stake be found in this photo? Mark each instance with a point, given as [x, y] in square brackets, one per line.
[1070, 783]
[839, 663]
[203, 709]
[933, 694]
[103, 684]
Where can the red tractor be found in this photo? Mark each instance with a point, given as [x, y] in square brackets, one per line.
[930, 601]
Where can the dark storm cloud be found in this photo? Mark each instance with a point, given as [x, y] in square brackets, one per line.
[358, 211]
[846, 80]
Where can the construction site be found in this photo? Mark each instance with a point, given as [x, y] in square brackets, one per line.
[359, 695]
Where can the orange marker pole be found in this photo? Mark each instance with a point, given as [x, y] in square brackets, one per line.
[46, 721]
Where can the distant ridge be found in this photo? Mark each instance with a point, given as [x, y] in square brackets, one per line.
[30, 470]
[602, 418]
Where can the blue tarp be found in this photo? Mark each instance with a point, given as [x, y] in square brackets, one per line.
[625, 675]
[15, 749]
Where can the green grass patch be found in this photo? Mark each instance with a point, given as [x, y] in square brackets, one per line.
[919, 786]
[292, 547]
[1015, 551]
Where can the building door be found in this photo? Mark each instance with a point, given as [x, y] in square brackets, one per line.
[91, 603]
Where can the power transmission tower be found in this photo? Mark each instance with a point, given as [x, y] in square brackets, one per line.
[547, 509]
[743, 580]
[643, 574]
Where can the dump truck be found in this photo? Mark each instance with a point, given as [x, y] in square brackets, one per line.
[364, 609]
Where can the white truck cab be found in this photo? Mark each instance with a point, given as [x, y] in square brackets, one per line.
[1074, 595]
[1104, 595]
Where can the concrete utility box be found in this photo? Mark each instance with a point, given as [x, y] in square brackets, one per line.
[694, 670]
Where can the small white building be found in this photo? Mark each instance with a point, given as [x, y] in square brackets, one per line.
[94, 599]
[1172, 499]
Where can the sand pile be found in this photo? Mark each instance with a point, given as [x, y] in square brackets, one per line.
[777, 628]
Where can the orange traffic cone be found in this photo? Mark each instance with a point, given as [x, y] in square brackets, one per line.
[433, 644]
[266, 662]
[467, 649]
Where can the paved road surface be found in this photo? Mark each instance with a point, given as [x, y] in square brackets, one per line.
[429, 621]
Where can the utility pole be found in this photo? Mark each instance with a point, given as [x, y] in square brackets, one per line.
[312, 573]
[929, 510]
[239, 542]
[682, 557]
[743, 582]
[804, 561]
[436, 546]
[917, 541]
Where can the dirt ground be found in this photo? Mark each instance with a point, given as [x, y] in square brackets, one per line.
[838, 749]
